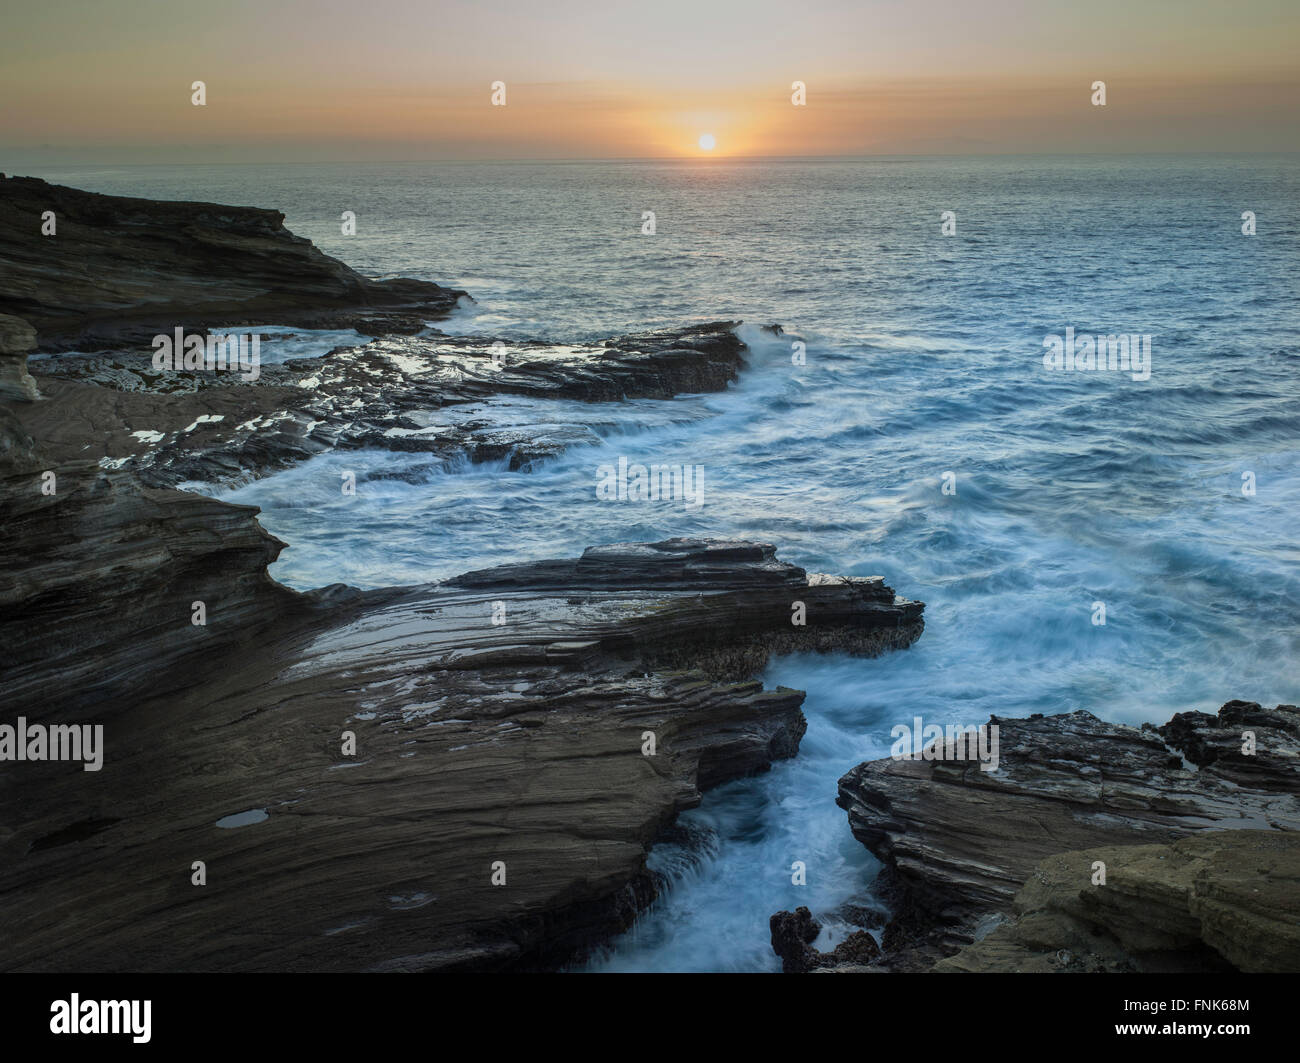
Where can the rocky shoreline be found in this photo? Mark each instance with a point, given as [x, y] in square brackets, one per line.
[523, 742]
[469, 774]
[998, 870]
[461, 775]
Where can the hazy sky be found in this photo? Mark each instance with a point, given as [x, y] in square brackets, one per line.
[91, 81]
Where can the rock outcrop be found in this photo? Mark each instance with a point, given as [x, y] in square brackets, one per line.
[793, 934]
[435, 395]
[100, 579]
[104, 556]
[958, 842]
[17, 337]
[508, 778]
[1218, 900]
[117, 269]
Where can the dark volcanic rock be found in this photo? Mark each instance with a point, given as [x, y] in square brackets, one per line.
[99, 576]
[1220, 741]
[793, 934]
[519, 745]
[958, 842]
[444, 396]
[120, 269]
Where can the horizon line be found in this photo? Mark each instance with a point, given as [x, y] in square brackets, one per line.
[694, 159]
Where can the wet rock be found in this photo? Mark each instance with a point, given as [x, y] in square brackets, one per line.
[548, 751]
[793, 934]
[958, 842]
[860, 915]
[465, 775]
[449, 397]
[1253, 746]
[99, 580]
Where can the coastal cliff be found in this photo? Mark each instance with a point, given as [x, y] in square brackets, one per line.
[86, 269]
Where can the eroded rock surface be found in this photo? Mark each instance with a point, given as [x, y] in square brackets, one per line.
[17, 337]
[1219, 900]
[958, 842]
[100, 579]
[465, 775]
[439, 395]
[119, 269]
[521, 742]
[793, 934]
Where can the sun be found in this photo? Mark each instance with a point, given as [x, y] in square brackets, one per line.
[707, 142]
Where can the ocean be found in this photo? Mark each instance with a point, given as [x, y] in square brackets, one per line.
[917, 434]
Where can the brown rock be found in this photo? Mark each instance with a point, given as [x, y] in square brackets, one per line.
[522, 743]
[958, 842]
[17, 337]
[1219, 900]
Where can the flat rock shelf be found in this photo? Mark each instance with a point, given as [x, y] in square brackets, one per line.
[516, 750]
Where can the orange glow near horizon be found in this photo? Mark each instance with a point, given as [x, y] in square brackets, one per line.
[572, 121]
[577, 121]
[287, 80]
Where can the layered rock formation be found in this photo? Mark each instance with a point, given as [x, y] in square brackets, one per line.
[105, 558]
[958, 842]
[519, 745]
[17, 337]
[100, 573]
[118, 269]
[1215, 901]
[438, 395]
[99, 580]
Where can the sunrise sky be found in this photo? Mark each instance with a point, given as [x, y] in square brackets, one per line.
[410, 79]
